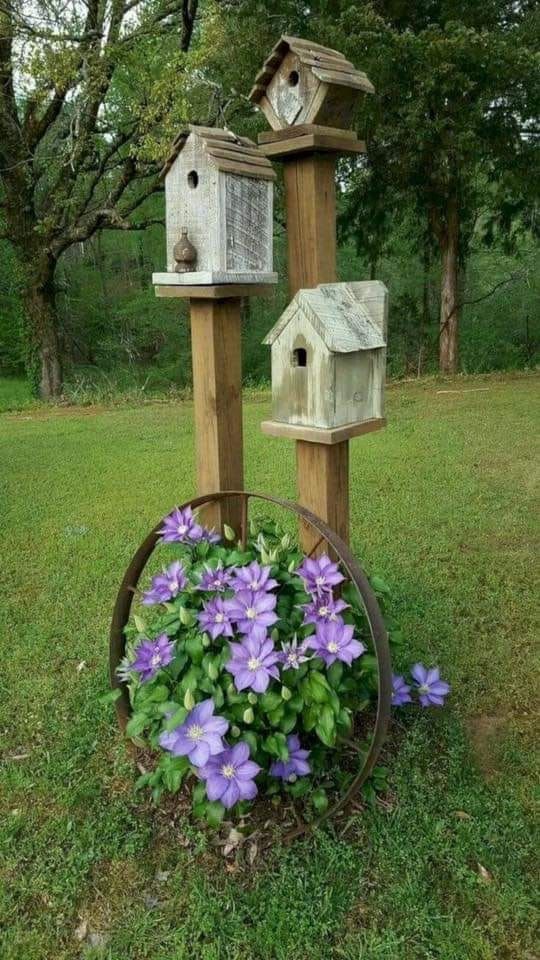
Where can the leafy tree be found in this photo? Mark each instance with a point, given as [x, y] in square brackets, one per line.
[81, 92]
[457, 88]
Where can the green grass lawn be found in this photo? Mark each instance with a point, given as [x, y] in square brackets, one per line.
[442, 507]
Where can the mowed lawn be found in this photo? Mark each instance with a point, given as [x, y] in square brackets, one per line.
[443, 507]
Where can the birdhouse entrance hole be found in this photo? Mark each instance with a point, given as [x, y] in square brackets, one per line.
[293, 78]
[300, 357]
[193, 179]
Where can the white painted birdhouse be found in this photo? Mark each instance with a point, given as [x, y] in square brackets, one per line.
[303, 82]
[218, 200]
[329, 362]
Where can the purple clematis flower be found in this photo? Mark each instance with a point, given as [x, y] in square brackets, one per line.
[324, 610]
[293, 654]
[180, 526]
[230, 776]
[253, 663]
[215, 618]
[166, 585]
[431, 689]
[215, 578]
[319, 575]
[253, 612]
[296, 766]
[254, 577]
[401, 691]
[151, 656]
[335, 641]
[199, 737]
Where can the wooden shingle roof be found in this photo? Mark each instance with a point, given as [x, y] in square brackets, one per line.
[227, 152]
[328, 65]
[347, 316]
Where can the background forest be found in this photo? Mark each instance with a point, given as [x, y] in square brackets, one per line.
[443, 209]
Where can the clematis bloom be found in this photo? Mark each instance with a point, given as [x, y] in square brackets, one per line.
[295, 766]
[167, 585]
[199, 737]
[151, 656]
[319, 574]
[253, 664]
[335, 641]
[230, 776]
[430, 688]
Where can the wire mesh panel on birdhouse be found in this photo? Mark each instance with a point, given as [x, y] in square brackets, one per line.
[329, 356]
[304, 83]
[218, 199]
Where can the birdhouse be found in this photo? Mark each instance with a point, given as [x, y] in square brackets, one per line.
[218, 201]
[329, 362]
[302, 82]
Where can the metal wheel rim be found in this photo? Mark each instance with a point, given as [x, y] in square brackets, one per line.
[357, 576]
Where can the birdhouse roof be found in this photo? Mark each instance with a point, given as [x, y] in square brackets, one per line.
[347, 316]
[225, 151]
[328, 65]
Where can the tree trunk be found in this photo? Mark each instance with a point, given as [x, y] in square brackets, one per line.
[43, 365]
[449, 317]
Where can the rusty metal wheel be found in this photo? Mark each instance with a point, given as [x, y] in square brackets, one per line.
[356, 576]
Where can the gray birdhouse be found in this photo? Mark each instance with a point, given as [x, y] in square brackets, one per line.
[329, 362]
[218, 200]
[302, 82]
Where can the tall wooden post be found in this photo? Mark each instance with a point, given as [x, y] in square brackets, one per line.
[309, 161]
[217, 391]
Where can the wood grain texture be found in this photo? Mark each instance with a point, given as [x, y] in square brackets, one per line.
[291, 431]
[300, 129]
[323, 487]
[310, 193]
[216, 291]
[310, 142]
[217, 397]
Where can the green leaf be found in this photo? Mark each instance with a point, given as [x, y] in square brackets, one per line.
[326, 726]
[319, 800]
[139, 623]
[215, 811]
[270, 701]
[310, 716]
[199, 793]
[251, 739]
[110, 696]
[288, 722]
[174, 772]
[276, 746]
[176, 719]
[335, 673]
[159, 694]
[195, 648]
[136, 724]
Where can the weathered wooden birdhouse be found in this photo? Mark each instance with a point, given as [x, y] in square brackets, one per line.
[329, 362]
[218, 200]
[302, 82]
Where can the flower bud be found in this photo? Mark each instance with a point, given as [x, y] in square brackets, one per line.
[286, 541]
[274, 635]
[235, 731]
[291, 566]
[212, 671]
[186, 617]
[189, 700]
[248, 715]
[252, 697]
[205, 640]
[286, 693]
[228, 532]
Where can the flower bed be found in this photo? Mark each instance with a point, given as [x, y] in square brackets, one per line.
[247, 669]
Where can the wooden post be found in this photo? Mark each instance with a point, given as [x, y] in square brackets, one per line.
[215, 312]
[310, 192]
[217, 397]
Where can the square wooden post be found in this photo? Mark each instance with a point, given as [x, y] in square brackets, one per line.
[310, 191]
[217, 397]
